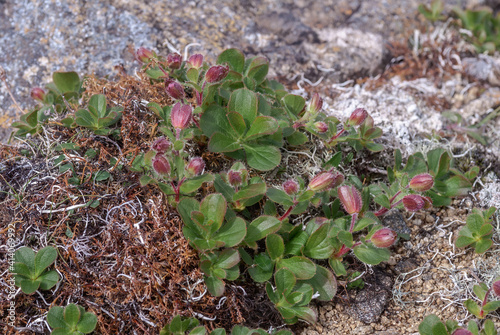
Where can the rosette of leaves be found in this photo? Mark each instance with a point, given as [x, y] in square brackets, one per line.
[449, 182]
[433, 12]
[484, 26]
[206, 225]
[291, 298]
[478, 230]
[71, 320]
[31, 269]
[98, 117]
[181, 326]
[481, 310]
[241, 132]
[432, 325]
[218, 266]
[247, 194]
[65, 87]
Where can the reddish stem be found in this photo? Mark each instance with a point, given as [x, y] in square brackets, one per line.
[337, 135]
[287, 213]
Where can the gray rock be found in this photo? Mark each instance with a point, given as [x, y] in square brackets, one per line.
[396, 221]
[372, 300]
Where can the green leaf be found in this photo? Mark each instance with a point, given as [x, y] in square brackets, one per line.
[475, 222]
[258, 69]
[489, 327]
[250, 191]
[383, 200]
[244, 102]
[294, 104]
[262, 125]
[200, 330]
[262, 271]
[463, 241]
[301, 267]
[214, 120]
[21, 269]
[297, 138]
[215, 286]
[29, 286]
[237, 123]
[232, 233]
[261, 227]
[483, 245]
[55, 317]
[337, 266]
[491, 306]
[296, 243]
[472, 307]
[86, 119]
[48, 279]
[369, 254]
[262, 157]
[98, 102]
[44, 258]
[66, 81]
[26, 256]
[228, 258]
[345, 237]
[432, 325]
[226, 190]
[222, 143]
[193, 184]
[285, 281]
[279, 196]
[318, 246]
[214, 207]
[275, 246]
[101, 175]
[234, 58]
[72, 315]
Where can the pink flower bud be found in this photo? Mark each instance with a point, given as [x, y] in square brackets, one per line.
[161, 164]
[38, 93]
[462, 332]
[413, 202]
[196, 61]
[496, 287]
[358, 116]
[315, 104]
[216, 73]
[384, 238]
[196, 166]
[322, 181]
[144, 55]
[234, 177]
[421, 182]
[321, 127]
[161, 145]
[181, 115]
[350, 199]
[290, 187]
[174, 89]
[174, 61]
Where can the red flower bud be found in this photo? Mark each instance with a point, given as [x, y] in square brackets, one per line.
[290, 187]
[174, 61]
[161, 164]
[181, 115]
[496, 287]
[322, 181]
[316, 103]
[196, 166]
[144, 55]
[161, 145]
[174, 89]
[413, 202]
[384, 238]
[350, 199]
[462, 332]
[321, 127]
[234, 177]
[196, 61]
[38, 93]
[357, 117]
[421, 182]
[216, 73]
